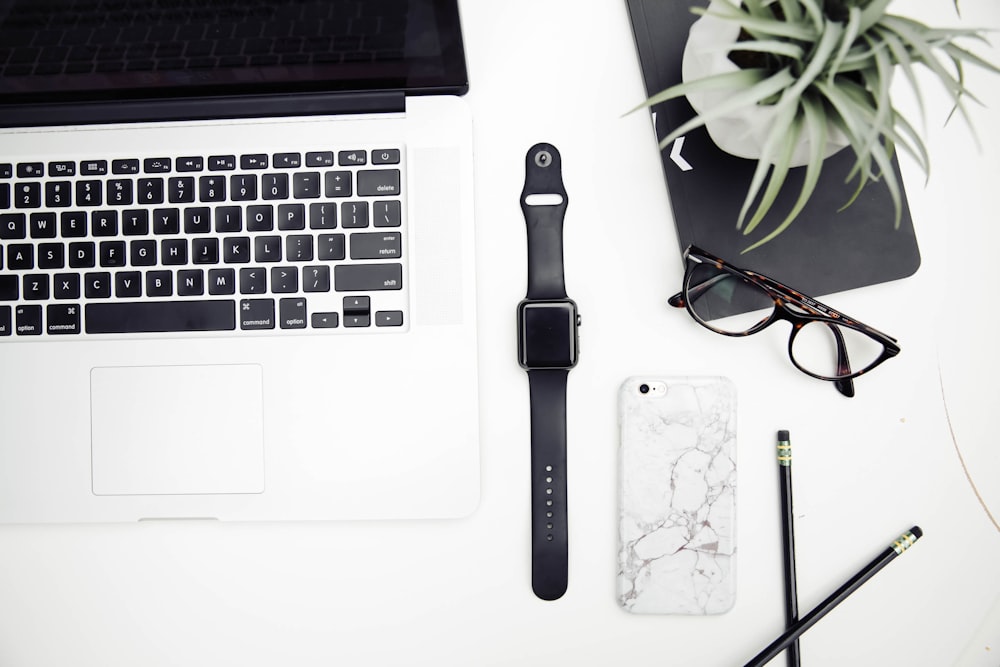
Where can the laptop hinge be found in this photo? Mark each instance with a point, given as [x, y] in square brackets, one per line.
[201, 108]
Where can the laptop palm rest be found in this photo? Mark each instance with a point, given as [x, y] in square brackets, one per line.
[163, 430]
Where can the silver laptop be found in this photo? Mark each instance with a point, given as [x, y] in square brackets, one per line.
[237, 272]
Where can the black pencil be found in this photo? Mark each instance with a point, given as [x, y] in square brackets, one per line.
[904, 542]
[788, 542]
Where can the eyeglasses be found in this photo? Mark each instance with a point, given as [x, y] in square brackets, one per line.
[823, 343]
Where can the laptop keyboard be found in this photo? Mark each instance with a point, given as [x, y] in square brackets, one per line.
[273, 242]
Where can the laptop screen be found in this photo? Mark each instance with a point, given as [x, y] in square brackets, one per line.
[78, 51]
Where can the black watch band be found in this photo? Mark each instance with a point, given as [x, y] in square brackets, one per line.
[548, 369]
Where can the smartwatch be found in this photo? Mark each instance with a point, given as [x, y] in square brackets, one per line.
[547, 348]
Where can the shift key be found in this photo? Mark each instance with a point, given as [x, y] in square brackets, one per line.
[367, 277]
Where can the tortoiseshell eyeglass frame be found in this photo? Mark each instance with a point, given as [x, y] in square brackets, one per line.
[789, 305]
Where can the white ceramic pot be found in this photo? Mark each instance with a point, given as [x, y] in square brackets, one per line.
[742, 132]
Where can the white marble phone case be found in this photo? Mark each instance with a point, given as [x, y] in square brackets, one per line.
[677, 481]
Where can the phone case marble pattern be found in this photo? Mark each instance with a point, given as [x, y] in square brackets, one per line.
[677, 496]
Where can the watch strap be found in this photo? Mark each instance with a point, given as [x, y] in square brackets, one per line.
[549, 534]
[543, 176]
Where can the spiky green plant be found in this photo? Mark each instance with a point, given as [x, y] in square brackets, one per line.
[827, 61]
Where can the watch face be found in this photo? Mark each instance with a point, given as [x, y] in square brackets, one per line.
[547, 334]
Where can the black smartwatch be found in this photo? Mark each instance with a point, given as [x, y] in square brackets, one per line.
[547, 347]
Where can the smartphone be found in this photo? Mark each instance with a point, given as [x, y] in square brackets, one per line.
[677, 495]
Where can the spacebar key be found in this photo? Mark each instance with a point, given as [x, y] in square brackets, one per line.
[160, 316]
[367, 277]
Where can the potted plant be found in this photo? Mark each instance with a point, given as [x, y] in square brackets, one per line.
[789, 82]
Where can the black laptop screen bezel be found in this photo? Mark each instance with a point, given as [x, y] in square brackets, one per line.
[421, 72]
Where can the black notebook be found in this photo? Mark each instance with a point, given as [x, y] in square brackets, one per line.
[823, 251]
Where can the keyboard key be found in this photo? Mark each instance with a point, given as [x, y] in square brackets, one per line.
[73, 224]
[338, 184]
[236, 250]
[160, 316]
[97, 285]
[51, 255]
[6, 170]
[299, 248]
[387, 213]
[166, 221]
[222, 162]
[20, 256]
[150, 191]
[88, 193]
[205, 251]
[305, 185]
[284, 280]
[351, 158]
[190, 282]
[376, 245]
[389, 318]
[378, 182]
[142, 252]
[367, 277]
[13, 226]
[331, 247]
[62, 319]
[120, 191]
[173, 252]
[354, 214]
[128, 284]
[385, 156]
[292, 313]
[274, 186]
[66, 286]
[291, 216]
[325, 320]
[30, 170]
[5, 320]
[42, 225]
[156, 165]
[260, 218]
[180, 190]
[9, 287]
[267, 249]
[4, 196]
[185, 164]
[254, 161]
[125, 166]
[287, 160]
[104, 223]
[319, 159]
[243, 187]
[322, 216]
[253, 281]
[28, 320]
[62, 168]
[135, 222]
[28, 195]
[36, 287]
[58, 194]
[94, 168]
[316, 279]
[197, 220]
[221, 281]
[82, 255]
[212, 188]
[159, 283]
[256, 314]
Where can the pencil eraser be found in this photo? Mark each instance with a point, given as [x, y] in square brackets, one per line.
[917, 533]
[783, 435]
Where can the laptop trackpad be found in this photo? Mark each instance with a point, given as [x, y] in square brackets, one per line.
[177, 430]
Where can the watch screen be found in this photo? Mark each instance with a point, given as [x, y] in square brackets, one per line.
[548, 335]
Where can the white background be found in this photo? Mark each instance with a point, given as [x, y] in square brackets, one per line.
[458, 592]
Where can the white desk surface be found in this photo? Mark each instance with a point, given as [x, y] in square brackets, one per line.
[916, 446]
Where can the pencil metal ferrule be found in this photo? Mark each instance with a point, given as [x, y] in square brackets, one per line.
[784, 453]
[905, 541]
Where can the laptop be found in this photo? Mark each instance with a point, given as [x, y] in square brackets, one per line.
[237, 261]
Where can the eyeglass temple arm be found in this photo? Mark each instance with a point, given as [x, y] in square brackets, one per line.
[845, 386]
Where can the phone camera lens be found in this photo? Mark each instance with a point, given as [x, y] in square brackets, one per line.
[643, 388]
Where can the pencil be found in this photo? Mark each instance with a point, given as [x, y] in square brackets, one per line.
[904, 542]
[788, 542]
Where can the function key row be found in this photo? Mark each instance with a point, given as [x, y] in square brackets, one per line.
[161, 165]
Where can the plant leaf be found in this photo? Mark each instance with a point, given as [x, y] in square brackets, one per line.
[871, 14]
[816, 130]
[754, 24]
[776, 135]
[736, 80]
[850, 34]
[772, 46]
